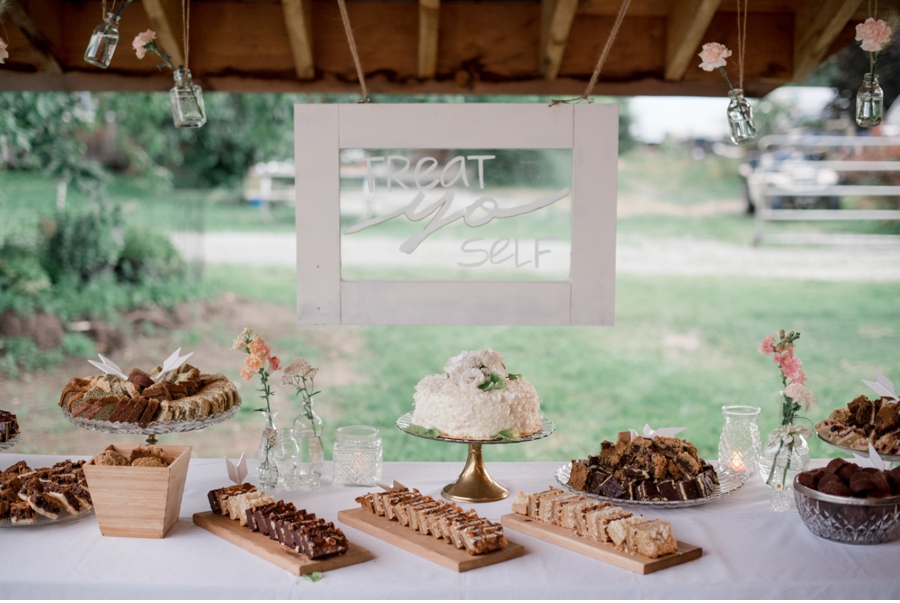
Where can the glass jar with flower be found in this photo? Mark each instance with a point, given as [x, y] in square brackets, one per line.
[258, 355]
[786, 451]
[307, 425]
[740, 115]
[186, 98]
[874, 35]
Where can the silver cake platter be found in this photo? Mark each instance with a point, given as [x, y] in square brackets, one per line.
[153, 429]
[475, 484]
[728, 482]
[10, 443]
[40, 521]
[893, 458]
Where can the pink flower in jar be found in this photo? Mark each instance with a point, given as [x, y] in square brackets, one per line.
[254, 362]
[260, 348]
[874, 34]
[246, 373]
[790, 366]
[767, 345]
[713, 56]
[140, 42]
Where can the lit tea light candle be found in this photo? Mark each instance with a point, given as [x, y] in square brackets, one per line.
[737, 462]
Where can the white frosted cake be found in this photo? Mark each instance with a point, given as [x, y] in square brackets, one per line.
[476, 398]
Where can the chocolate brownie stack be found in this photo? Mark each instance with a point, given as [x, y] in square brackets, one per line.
[9, 426]
[656, 469]
[27, 494]
[294, 528]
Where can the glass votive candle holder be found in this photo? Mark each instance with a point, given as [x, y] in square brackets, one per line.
[357, 456]
[739, 444]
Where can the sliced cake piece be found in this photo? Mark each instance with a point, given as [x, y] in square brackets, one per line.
[618, 530]
[652, 539]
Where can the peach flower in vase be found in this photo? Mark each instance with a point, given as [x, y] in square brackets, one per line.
[712, 56]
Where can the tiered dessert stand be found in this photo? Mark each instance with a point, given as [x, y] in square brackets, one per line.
[888, 458]
[153, 429]
[475, 484]
[10, 443]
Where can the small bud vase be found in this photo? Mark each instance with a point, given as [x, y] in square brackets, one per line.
[778, 464]
[869, 102]
[287, 459]
[740, 118]
[103, 42]
[186, 98]
[308, 432]
[267, 472]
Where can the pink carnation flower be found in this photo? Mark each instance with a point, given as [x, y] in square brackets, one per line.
[713, 56]
[873, 34]
[246, 373]
[140, 42]
[800, 379]
[790, 366]
[767, 345]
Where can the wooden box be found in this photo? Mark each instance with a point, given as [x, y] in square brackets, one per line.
[138, 502]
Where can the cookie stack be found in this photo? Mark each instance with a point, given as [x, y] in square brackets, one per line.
[142, 456]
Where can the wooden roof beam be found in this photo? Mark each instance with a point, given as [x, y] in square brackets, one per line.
[816, 26]
[429, 19]
[298, 20]
[687, 24]
[165, 20]
[48, 62]
[556, 22]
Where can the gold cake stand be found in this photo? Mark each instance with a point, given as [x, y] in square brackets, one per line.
[475, 484]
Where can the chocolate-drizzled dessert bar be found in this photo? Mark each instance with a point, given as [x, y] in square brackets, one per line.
[443, 520]
[27, 494]
[283, 522]
[9, 426]
[653, 469]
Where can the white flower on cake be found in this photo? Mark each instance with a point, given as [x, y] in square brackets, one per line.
[472, 378]
[476, 398]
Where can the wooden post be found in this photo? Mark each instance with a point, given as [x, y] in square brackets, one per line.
[429, 17]
[165, 20]
[687, 24]
[38, 41]
[816, 26]
[556, 22]
[298, 21]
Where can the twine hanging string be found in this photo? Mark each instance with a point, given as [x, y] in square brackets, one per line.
[609, 42]
[742, 39]
[186, 30]
[352, 43]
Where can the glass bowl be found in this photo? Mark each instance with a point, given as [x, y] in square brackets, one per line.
[846, 519]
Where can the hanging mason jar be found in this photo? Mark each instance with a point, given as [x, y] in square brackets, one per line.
[869, 102]
[740, 118]
[103, 42]
[739, 443]
[187, 101]
[287, 459]
[267, 472]
[308, 433]
[357, 456]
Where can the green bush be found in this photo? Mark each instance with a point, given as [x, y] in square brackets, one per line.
[84, 243]
[148, 257]
[22, 354]
[23, 281]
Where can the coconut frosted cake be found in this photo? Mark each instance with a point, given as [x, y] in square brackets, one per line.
[475, 398]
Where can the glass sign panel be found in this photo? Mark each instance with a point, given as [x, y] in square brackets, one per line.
[455, 215]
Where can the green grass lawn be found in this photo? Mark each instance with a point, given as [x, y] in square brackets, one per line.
[680, 350]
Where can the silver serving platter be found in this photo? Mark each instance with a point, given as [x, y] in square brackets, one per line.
[547, 427]
[893, 458]
[10, 443]
[849, 520]
[728, 482]
[41, 521]
[155, 428]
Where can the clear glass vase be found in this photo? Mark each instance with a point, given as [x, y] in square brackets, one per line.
[103, 42]
[308, 433]
[778, 464]
[357, 456]
[287, 459]
[739, 445]
[267, 472]
[869, 102]
[740, 118]
[188, 110]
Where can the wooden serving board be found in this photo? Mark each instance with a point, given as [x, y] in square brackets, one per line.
[273, 551]
[598, 550]
[425, 545]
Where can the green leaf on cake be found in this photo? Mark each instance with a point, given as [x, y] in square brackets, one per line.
[514, 376]
[493, 382]
[425, 432]
[506, 435]
[313, 577]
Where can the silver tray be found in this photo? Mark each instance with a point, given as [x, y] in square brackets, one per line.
[547, 427]
[155, 428]
[41, 521]
[728, 482]
[893, 458]
[10, 443]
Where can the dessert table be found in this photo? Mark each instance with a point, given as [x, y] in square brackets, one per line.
[749, 552]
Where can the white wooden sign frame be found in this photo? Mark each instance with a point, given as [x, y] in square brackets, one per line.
[588, 298]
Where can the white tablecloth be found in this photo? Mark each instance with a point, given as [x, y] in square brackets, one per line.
[749, 552]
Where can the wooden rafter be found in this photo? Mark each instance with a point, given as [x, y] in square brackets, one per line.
[165, 20]
[48, 62]
[687, 23]
[816, 26]
[556, 22]
[298, 21]
[429, 19]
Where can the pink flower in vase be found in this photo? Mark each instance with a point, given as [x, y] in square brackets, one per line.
[800, 379]
[140, 42]
[873, 34]
[246, 373]
[254, 362]
[274, 363]
[713, 56]
[790, 366]
[767, 345]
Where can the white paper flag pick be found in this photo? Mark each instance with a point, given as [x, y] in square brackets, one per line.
[109, 367]
[663, 432]
[882, 386]
[394, 485]
[873, 460]
[239, 472]
[172, 362]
